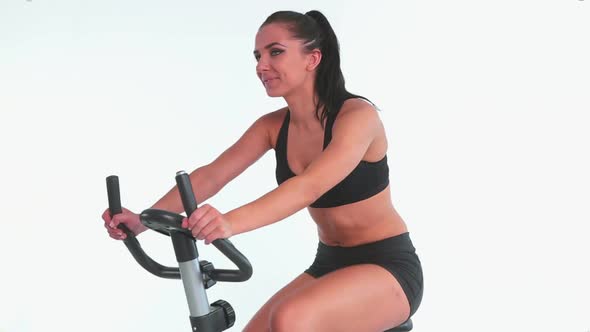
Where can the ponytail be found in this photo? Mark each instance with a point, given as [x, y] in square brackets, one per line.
[317, 33]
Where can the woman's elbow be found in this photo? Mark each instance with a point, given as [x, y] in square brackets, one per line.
[310, 189]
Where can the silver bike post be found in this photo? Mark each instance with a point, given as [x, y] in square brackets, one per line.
[194, 288]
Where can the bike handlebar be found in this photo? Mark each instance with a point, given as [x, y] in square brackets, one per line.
[244, 271]
[130, 241]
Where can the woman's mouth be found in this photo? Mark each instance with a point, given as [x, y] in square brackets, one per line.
[268, 81]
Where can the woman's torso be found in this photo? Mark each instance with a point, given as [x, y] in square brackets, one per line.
[347, 225]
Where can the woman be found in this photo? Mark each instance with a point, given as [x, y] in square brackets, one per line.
[330, 147]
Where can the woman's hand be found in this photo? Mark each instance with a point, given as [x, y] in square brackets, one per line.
[130, 219]
[208, 224]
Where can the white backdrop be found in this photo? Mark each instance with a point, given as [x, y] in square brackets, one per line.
[485, 104]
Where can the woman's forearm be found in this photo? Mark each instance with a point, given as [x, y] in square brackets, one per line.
[291, 196]
[204, 187]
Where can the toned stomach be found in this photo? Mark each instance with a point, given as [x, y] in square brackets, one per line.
[366, 221]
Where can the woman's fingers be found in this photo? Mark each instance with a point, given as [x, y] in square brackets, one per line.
[217, 233]
[203, 221]
[117, 235]
[117, 219]
[197, 215]
[208, 224]
[201, 217]
[112, 223]
[208, 229]
[106, 216]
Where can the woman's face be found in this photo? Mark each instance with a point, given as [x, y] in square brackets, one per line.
[282, 66]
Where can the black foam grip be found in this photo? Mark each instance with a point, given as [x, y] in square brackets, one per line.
[114, 195]
[186, 193]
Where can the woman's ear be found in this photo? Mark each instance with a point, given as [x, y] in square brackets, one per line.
[314, 59]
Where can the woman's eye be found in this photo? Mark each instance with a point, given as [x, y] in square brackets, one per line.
[272, 53]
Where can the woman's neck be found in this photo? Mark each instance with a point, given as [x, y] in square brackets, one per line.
[302, 107]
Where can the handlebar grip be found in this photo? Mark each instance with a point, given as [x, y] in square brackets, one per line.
[189, 202]
[114, 195]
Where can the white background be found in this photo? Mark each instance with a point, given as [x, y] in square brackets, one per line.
[485, 104]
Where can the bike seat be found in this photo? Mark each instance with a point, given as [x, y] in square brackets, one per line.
[406, 326]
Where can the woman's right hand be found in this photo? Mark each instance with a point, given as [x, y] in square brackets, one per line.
[128, 218]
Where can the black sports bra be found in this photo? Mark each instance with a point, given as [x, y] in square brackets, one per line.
[366, 180]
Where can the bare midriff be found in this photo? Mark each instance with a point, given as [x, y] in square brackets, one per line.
[366, 221]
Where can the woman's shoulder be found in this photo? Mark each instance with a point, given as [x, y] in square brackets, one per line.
[273, 121]
[356, 103]
[274, 118]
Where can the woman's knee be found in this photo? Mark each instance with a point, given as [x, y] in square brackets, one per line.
[261, 320]
[291, 315]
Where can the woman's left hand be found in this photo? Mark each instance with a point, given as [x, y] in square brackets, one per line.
[208, 224]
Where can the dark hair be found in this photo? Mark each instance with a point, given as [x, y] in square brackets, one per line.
[316, 32]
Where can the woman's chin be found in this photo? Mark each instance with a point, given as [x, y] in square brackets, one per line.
[272, 93]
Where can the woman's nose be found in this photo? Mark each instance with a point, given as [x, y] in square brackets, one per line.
[262, 65]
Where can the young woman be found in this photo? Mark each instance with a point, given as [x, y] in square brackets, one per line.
[330, 147]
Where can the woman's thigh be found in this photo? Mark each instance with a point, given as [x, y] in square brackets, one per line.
[260, 322]
[357, 298]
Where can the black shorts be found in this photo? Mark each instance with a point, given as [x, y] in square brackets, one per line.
[395, 254]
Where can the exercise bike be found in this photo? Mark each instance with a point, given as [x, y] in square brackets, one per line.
[197, 275]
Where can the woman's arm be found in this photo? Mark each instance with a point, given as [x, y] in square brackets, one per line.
[208, 180]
